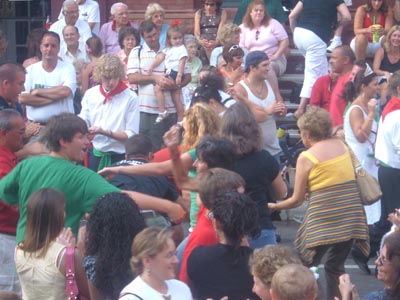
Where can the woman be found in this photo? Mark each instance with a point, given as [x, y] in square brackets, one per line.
[233, 217]
[387, 60]
[258, 167]
[311, 22]
[195, 65]
[108, 244]
[128, 38]
[94, 49]
[156, 13]
[262, 96]
[228, 35]
[199, 120]
[155, 261]
[40, 259]
[371, 21]
[360, 128]
[264, 263]
[388, 265]
[210, 96]
[111, 111]
[33, 44]
[325, 169]
[208, 21]
[232, 70]
[262, 33]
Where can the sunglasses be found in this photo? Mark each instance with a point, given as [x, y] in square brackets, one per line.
[209, 4]
[234, 47]
[257, 35]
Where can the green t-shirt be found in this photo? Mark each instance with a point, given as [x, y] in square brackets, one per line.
[194, 209]
[81, 187]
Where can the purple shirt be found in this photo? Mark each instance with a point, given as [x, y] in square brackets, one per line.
[109, 37]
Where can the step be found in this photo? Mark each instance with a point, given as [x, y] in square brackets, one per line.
[297, 78]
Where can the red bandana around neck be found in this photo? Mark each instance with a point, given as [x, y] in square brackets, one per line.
[392, 105]
[108, 96]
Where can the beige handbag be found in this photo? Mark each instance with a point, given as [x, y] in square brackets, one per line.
[368, 185]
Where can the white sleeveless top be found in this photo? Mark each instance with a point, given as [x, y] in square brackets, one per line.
[364, 154]
[268, 127]
[40, 278]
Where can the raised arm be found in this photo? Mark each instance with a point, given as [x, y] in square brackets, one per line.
[294, 15]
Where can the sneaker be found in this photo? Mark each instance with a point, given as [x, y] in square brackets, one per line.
[161, 116]
[334, 43]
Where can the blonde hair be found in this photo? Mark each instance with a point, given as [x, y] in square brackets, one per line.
[294, 282]
[387, 44]
[227, 31]
[108, 66]
[200, 120]
[148, 243]
[317, 122]
[266, 261]
[153, 8]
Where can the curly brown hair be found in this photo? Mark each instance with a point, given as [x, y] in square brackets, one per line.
[317, 123]
[199, 120]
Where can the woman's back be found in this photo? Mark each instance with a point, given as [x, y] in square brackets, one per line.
[40, 277]
[332, 164]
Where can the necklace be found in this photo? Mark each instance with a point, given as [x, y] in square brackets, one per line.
[259, 91]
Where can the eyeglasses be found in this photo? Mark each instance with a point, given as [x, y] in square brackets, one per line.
[257, 35]
[234, 47]
[209, 4]
[381, 260]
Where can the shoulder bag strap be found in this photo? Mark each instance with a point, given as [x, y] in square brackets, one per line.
[71, 288]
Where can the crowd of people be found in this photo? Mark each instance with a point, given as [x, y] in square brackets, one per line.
[112, 135]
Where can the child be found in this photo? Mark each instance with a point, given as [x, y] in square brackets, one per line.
[174, 56]
[293, 281]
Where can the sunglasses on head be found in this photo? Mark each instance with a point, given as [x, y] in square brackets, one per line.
[233, 47]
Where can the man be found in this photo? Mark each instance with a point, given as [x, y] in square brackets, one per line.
[140, 59]
[89, 12]
[70, 11]
[12, 79]
[138, 151]
[341, 62]
[109, 31]
[322, 90]
[50, 83]
[72, 49]
[66, 136]
[12, 129]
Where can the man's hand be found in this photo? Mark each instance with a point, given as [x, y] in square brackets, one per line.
[109, 173]
[31, 129]
[176, 213]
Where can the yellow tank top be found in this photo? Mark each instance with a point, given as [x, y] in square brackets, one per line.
[334, 171]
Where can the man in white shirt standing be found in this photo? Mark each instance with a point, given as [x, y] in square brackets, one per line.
[50, 83]
[89, 12]
[72, 48]
[70, 11]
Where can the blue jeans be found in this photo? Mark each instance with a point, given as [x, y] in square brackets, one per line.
[180, 250]
[267, 237]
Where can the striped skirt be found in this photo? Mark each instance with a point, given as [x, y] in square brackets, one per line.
[335, 214]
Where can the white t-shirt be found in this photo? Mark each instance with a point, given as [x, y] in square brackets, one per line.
[387, 147]
[66, 56]
[119, 114]
[37, 77]
[83, 28]
[90, 13]
[172, 57]
[176, 289]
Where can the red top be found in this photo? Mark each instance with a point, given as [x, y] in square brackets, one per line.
[203, 235]
[368, 22]
[338, 103]
[8, 214]
[321, 92]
